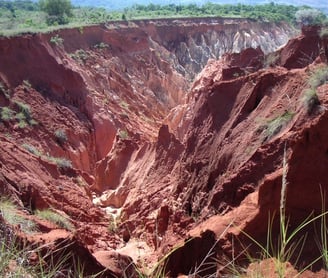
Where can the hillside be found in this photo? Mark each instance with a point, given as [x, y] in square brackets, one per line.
[154, 138]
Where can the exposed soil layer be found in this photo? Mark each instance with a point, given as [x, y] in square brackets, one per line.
[103, 126]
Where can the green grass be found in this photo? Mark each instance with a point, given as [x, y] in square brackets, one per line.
[31, 149]
[273, 126]
[289, 243]
[12, 259]
[15, 261]
[61, 162]
[318, 77]
[11, 215]
[55, 218]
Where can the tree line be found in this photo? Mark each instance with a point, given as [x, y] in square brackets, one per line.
[23, 15]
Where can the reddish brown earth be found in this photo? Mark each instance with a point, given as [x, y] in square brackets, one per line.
[156, 161]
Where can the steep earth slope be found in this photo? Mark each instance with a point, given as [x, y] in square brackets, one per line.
[81, 119]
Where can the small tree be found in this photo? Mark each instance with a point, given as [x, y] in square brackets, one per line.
[58, 11]
[309, 17]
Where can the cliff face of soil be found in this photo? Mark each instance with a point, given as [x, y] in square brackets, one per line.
[103, 125]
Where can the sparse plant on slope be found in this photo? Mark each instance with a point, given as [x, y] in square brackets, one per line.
[26, 83]
[80, 56]
[12, 259]
[288, 243]
[55, 218]
[123, 134]
[31, 149]
[58, 41]
[61, 162]
[273, 126]
[60, 135]
[324, 32]
[11, 215]
[317, 78]
[6, 114]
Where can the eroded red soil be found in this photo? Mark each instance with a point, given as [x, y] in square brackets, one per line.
[152, 160]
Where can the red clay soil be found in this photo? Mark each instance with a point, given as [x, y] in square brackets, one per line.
[171, 166]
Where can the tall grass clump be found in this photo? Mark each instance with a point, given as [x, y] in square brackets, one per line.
[317, 78]
[55, 218]
[273, 126]
[12, 216]
[289, 243]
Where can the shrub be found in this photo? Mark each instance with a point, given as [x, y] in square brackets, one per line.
[310, 99]
[80, 56]
[55, 218]
[309, 17]
[60, 135]
[57, 40]
[24, 108]
[123, 134]
[101, 45]
[6, 114]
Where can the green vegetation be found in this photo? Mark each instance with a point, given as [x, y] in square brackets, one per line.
[11, 215]
[317, 78]
[58, 11]
[289, 244]
[31, 149]
[101, 45]
[27, 84]
[324, 32]
[62, 163]
[80, 56]
[309, 17]
[55, 218]
[26, 16]
[271, 12]
[273, 126]
[61, 136]
[23, 116]
[6, 114]
[57, 40]
[15, 260]
[123, 134]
